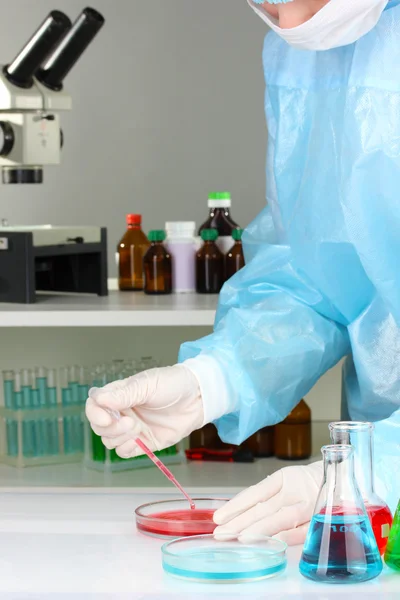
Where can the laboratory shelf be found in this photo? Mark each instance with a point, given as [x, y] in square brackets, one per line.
[119, 309]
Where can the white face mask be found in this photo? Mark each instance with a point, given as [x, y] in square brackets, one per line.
[338, 23]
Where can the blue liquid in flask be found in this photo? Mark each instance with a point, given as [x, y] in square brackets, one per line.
[340, 548]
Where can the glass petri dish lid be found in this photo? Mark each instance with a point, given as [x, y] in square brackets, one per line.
[174, 518]
[224, 559]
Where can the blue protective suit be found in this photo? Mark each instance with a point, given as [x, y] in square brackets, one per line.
[322, 275]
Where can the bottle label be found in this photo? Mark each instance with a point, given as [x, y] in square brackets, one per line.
[385, 530]
[225, 243]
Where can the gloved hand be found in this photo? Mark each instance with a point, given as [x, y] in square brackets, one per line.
[161, 406]
[280, 506]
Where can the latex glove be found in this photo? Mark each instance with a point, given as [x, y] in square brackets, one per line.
[280, 506]
[162, 406]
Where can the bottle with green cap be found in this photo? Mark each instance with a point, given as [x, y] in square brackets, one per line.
[157, 265]
[234, 259]
[209, 264]
[219, 218]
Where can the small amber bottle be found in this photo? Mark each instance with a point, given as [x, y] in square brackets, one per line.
[261, 444]
[206, 437]
[157, 266]
[293, 435]
[234, 259]
[131, 250]
[209, 264]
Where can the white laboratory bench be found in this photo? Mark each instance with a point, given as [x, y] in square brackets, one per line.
[83, 545]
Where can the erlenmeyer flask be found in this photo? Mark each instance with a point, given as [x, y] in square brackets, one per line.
[392, 555]
[340, 545]
[360, 436]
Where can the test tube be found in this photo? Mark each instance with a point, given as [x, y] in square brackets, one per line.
[98, 378]
[8, 387]
[131, 367]
[116, 369]
[83, 391]
[66, 400]
[147, 362]
[18, 406]
[83, 388]
[41, 384]
[73, 383]
[28, 426]
[38, 424]
[52, 424]
[43, 442]
[11, 424]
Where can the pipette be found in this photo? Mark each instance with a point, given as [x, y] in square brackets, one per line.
[116, 415]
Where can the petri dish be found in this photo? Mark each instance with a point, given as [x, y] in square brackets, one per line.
[210, 559]
[174, 518]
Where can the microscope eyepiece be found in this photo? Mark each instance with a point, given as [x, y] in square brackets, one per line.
[35, 52]
[74, 43]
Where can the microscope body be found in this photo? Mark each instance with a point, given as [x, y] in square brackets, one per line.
[44, 258]
[30, 130]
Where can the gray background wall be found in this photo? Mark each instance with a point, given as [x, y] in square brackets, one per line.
[168, 104]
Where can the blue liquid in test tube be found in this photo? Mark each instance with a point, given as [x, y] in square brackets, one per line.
[41, 402]
[66, 400]
[11, 424]
[38, 424]
[78, 386]
[52, 424]
[28, 426]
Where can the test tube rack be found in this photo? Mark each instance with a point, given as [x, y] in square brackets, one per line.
[42, 418]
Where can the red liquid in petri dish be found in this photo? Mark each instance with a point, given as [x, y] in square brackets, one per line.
[179, 523]
[381, 521]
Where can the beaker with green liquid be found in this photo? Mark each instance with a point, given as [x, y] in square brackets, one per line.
[392, 554]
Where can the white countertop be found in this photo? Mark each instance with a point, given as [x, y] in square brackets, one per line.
[119, 309]
[78, 545]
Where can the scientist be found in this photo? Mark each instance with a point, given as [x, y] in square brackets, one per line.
[322, 275]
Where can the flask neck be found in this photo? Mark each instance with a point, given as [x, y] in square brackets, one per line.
[361, 438]
[338, 478]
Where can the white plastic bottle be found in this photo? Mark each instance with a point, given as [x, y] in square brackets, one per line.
[182, 245]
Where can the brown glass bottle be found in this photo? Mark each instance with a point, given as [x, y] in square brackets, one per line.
[157, 265]
[131, 250]
[219, 218]
[206, 437]
[293, 435]
[234, 259]
[261, 444]
[209, 264]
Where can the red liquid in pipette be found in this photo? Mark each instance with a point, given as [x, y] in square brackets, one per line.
[179, 523]
[115, 414]
[164, 470]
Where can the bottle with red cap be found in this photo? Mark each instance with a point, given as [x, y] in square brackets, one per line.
[131, 250]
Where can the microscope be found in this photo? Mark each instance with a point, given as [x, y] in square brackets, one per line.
[32, 96]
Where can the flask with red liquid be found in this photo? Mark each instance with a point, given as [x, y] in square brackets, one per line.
[360, 436]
